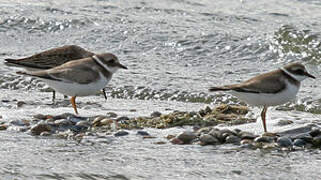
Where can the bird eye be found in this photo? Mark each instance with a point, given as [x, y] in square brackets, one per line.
[299, 71]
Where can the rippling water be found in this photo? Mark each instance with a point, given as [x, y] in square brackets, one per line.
[175, 50]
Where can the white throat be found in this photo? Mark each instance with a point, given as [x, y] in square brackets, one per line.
[296, 77]
[110, 69]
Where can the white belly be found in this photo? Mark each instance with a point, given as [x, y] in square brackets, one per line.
[74, 89]
[268, 99]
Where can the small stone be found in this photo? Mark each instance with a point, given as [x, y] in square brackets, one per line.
[208, 139]
[83, 123]
[246, 141]
[230, 132]
[237, 130]
[186, 136]
[143, 133]
[176, 141]
[238, 172]
[155, 114]
[248, 146]
[3, 127]
[20, 103]
[39, 128]
[304, 136]
[97, 120]
[149, 137]
[299, 143]
[264, 139]
[217, 134]
[160, 142]
[45, 133]
[316, 141]
[106, 121]
[284, 141]
[233, 139]
[111, 115]
[315, 132]
[121, 133]
[63, 122]
[284, 122]
[40, 116]
[247, 135]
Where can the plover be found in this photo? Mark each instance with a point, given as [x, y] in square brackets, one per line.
[52, 58]
[80, 78]
[269, 89]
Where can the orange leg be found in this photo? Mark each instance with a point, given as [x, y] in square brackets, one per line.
[263, 114]
[73, 102]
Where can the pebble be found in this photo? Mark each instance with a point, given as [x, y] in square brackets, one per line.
[299, 143]
[264, 139]
[111, 115]
[316, 141]
[186, 136]
[45, 133]
[233, 139]
[143, 133]
[83, 123]
[304, 136]
[284, 141]
[247, 135]
[315, 132]
[155, 114]
[63, 122]
[246, 141]
[3, 127]
[20, 103]
[123, 118]
[39, 128]
[176, 141]
[121, 133]
[208, 139]
[217, 134]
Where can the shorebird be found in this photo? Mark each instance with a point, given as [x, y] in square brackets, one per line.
[269, 89]
[52, 58]
[83, 77]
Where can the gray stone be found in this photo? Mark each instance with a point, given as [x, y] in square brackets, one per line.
[247, 135]
[284, 141]
[304, 136]
[299, 143]
[315, 132]
[83, 123]
[39, 128]
[217, 134]
[208, 139]
[316, 141]
[143, 133]
[63, 122]
[155, 114]
[111, 115]
[264, 139]
[233, 139]
[121, 133]
[186, 136]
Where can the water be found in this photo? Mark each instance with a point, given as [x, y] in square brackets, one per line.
[175, 50]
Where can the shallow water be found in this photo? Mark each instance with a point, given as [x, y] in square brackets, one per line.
[174, 50]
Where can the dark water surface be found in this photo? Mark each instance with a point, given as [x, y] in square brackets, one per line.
[175, 50]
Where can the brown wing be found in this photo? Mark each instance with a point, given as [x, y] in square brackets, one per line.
[53, 57]
[71, 72]
[271, 82]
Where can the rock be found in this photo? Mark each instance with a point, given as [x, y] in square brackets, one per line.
[40, 116]
[247, 135]
[45, 133]
[284, 141]
[155, 114]
[230, 132]
[246, 141]
[64, 116]
[248, 146]
[20, 103]
[122, 118]
[3, 127]
[111, 115]
[186, 136]
[143, 133]
[204, 130]
[304, 136]
[206, 139]
[159, 142]
[121, 133]
[284, 122]
[83, 123]
[237, 130]
[233, 139]
[264, 139]
[315, 132]
[299, 143]
[217, 134]
[316, 141]
[63, 122]
[176, 141]
[39, 128]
